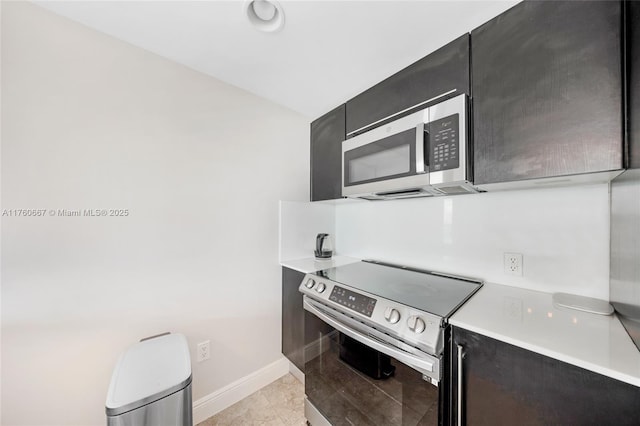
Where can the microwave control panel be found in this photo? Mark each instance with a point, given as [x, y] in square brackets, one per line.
[444, 144]
[353, 301]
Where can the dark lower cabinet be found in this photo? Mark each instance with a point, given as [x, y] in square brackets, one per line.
[547, 91]
[292, 317]
[327, 134]
[633, 78]
[298, 330]
[507, 385]
[445, 70]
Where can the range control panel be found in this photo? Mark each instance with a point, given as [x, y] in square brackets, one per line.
[416, 328]
[444, 144]
[354, 301]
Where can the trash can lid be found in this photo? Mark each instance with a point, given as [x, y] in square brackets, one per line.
[149, 371]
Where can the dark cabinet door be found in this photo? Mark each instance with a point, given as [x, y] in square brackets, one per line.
[507, 385]
[327, 134]
[442, 71]
[292, 317]
[547, 91]
[633, 60]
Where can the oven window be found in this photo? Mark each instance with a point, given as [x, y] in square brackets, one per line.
[391, 157]
[352, 384]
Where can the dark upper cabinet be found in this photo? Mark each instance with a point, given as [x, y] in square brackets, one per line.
[507, 385]
[442, 71]
[327, 134]
[547, 91]
[633, 61]
[292, 317]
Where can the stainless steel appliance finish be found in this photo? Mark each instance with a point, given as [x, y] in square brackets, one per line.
[460, 357]
[433, 292]
[379, 358]
[369, 126]
[422, 154]
[151, 384]
[172, 410]
[313, 416]
[401, 307]
[624, 282]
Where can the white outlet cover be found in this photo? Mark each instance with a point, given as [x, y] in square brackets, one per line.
[513, 264]
[204, 351]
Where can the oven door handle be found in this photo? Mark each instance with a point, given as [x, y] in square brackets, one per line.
[424, 366]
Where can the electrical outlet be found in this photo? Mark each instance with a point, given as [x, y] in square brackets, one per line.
[204, 350]
[513, 264]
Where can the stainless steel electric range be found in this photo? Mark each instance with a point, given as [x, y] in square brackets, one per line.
[376, 338]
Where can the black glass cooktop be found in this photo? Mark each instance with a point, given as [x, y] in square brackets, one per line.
[427, 291]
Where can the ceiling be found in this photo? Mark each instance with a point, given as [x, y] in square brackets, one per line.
[327, 52]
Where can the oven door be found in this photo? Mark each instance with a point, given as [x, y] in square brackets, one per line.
[387, 159]
[354, 379]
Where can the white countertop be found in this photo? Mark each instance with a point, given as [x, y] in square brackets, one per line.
[528, 319]
[310, 264]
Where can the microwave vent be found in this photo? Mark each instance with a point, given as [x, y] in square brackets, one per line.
[456, 189]
[407, 193]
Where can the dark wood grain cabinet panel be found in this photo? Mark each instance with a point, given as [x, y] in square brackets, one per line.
[292, 317]
[444, 70]
[508, 385]
[327, 134]
[633, 61]
[547, 91]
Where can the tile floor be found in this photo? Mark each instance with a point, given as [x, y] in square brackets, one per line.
[279, 404]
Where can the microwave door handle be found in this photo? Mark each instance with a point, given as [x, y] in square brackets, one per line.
[422, 365]
[421, 167]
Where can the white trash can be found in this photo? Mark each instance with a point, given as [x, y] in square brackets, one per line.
[151, 384]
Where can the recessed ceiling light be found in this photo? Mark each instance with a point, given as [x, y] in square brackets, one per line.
[265, 15]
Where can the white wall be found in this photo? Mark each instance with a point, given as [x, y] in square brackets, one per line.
[563, 234]
[300, 223]
[90, 122]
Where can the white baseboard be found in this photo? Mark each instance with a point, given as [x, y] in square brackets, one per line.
[217, 401]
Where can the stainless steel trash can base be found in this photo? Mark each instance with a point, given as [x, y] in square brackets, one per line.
[173, 410]
[151, 384]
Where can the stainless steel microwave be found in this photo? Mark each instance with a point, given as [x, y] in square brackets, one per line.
[422, 154]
